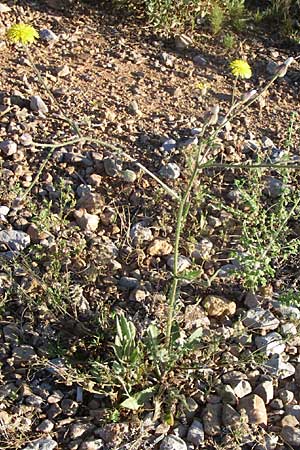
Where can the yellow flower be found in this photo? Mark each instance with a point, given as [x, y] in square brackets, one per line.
[20, 32]
[240, 69]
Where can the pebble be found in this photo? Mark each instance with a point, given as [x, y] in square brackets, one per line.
[129, 176]
[168, 145]
[227, 270]
[90, 201]
[202, 250]
[69, 406]
[24, 353]
[277, 367]
[167, 59]
[195, 317]
[48, 35]
[170, 171]
[218, 306]
[128, 283]
[78, 429]
[42, 444]
[230, 417]
[133, 108]
[199, 60]
[172, 443]
[4, 210]
[183, 263]
[288, 329]
[46, 426]
[255, 409]
[290, 432]
[259, 318]
[265, 390]
[293, 410]
[212, 419]
[8, 147]
[271, 68]
[37, 104]
[241, 388]
[139, 232]
[86, 221]
[270, 344]
[160, 247]
[273, 187]
[112, 166]
[26, 139]
[4, 8]
[286, 396]
[196, 433]
[92, 444]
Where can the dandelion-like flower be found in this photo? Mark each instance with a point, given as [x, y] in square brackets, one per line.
[240, 69]
[22, 33]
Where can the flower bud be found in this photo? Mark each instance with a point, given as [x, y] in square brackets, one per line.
[249, 95]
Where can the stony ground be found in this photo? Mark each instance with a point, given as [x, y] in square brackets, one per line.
[93, 235]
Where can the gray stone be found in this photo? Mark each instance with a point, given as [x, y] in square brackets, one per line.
[199, 60]
[26, 139]
[259, 318]
[24, 353]
[273, 187]
[188, 142]
[277, 367]
[292, 410]
[267, 142]
[168, 145]
[241, 388]
[8, 147]
[230, 417]
[133, 108]
[42, 444]
[46, 426]
[212, 419]
[69, 406]
[271, 68]
[172, 443]
[183, 263]
[195, 131]
[48, 35]
[78, 429]
[227, 271]
[255, 409]
[192, 406]
[270, 344]
[286, 396]
[34, 400]
[37, 104]
[289, 312]
[139, 232]
[288, 329]
[170, 171]
[290, 432]
[202, 249]
[92, 444]
[196, 433]
[265, 390]
[227, 394]
[128, 283]
[112, 166]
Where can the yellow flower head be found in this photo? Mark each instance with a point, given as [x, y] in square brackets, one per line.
[240, 69]
[20, 32]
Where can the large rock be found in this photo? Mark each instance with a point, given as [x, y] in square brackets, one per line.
[14, 239]
[255, 409]
[218, 306]
[172, 443]
[212, 419]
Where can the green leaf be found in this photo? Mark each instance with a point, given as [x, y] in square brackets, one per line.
[191, 274]
[137, 400]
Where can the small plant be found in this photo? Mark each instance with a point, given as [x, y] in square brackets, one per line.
[229, 41]
[216, 18]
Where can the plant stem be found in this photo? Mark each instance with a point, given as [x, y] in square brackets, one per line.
[179, 225]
